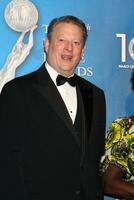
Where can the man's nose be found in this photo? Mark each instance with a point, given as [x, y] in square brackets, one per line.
[69, 46]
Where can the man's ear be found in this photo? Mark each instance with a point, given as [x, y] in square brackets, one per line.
[82, 53]
[46, 45]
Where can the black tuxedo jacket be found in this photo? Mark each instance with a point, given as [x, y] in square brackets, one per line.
[39, 150]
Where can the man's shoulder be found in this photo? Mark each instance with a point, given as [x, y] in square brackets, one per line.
[18, 83]
[88, 84]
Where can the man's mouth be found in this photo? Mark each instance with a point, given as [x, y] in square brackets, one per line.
[66, 57]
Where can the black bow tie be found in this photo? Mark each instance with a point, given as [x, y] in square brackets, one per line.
[60, 80]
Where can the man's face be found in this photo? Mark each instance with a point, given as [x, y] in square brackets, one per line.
[65, 49]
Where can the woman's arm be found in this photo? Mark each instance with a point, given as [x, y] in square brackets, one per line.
[114, 185]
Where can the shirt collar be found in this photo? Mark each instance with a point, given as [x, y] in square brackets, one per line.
[52, 72]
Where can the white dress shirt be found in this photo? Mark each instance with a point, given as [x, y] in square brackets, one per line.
[67, 92]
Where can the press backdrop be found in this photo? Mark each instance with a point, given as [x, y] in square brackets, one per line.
[108, 59]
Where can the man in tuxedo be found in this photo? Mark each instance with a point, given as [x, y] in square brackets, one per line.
[53, 125]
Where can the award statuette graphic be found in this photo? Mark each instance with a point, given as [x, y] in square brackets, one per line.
[21, 16]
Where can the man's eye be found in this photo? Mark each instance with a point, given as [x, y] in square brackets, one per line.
[61, 39]
[76, 42]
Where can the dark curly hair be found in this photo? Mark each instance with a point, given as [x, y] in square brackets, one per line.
[132, 80]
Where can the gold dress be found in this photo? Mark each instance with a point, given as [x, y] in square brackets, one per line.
[119, 148]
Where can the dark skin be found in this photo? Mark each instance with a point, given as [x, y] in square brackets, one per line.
[114, 185]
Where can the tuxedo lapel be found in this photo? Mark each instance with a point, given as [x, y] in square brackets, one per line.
[87, 99]
[45, 86]
[93, 114]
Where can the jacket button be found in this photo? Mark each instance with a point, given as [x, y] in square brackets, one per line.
[77, 192]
